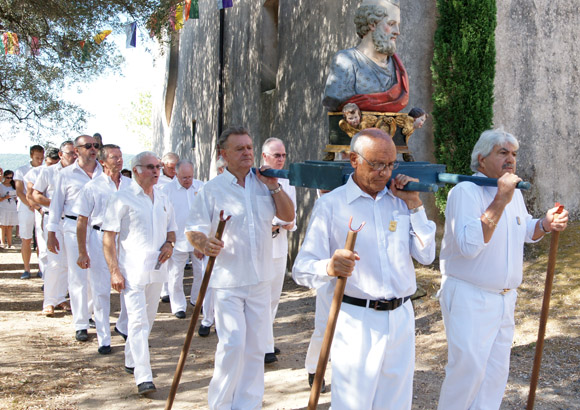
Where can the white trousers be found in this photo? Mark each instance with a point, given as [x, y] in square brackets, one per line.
[323, 300]
[55, 273]
[141, 302]
[373, 358]
[122, 323]
[25, 222]
[480, 329]
[198, 268]
[208, 309]
[242, 320]
[279, 268]
[100, 283]
[40, 242]
[175, 269]
[78, 279]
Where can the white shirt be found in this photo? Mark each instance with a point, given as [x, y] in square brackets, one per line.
[247, 254]
[45, 181]
[32, 175]
[68, 184]
[142, 225]
[464, 255]
[19, 176]
[163, 179]
[390, 237]
[92, 198]
[280, 242]
[182, 201]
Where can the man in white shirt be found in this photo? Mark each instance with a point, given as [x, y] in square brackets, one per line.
[56, 269]
[373, 352]
[26, 210]
[90, 208]
[68, 184]
[181, 193]
[274, 155]
[242, 272]
[139, 236]
[481, 263]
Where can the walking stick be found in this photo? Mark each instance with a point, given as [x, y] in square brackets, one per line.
[195, 316]
[331, 325]
[544, 314]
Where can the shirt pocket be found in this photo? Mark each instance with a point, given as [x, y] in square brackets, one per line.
[398, 228]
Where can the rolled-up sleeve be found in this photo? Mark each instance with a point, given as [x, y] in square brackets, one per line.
[423, 238]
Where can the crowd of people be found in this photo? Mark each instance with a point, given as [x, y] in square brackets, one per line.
[98, 229]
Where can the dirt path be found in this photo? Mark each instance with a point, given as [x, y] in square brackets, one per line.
[43, 367]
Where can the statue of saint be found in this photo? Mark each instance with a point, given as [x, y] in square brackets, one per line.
[370, 75]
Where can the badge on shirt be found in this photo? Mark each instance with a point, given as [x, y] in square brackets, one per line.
[518, 220]
[393, 226]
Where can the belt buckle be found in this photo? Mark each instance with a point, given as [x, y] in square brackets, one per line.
[503, 292]
[377, 304]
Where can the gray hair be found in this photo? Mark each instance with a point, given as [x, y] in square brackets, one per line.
[137, 158]
[104, 151]
[366, 16]
[221, 162]
[170, 157]
[182, 162]
[487, 141]
[269, 141]
[67, 142]
[52, 153]
[231, 131]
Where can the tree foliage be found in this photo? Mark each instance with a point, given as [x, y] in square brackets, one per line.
[138, 119]
[463, 73]
[31, 85]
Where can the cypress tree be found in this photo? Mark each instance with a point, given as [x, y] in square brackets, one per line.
[463, 73]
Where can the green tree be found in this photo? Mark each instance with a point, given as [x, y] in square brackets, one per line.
[138, 120]
[31, 85]
[463, 74]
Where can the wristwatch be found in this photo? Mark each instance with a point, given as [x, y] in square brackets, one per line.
[275, 191]
[171, 243]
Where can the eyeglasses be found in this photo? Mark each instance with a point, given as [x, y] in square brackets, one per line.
[379, 166]
[69, 152]
[277, 155]
[88, 145]
[151, 167]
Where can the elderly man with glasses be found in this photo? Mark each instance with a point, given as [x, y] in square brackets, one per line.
[373, 352]
[139, 235]
[68, 184]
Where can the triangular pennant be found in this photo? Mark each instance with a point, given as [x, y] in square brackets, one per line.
[34, 46]
[99, 38]
[186, 9]
[11, 43]
[179, 17]
[2, 47]
[131, 35]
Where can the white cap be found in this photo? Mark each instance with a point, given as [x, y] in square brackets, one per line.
[383, 3]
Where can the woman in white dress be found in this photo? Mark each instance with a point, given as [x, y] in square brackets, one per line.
[8, 213]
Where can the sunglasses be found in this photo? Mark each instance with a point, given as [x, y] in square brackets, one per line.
[88, 145]
[8, 177]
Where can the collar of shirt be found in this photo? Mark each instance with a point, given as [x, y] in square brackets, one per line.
[234, 180]
[96, 172]
[354, 192]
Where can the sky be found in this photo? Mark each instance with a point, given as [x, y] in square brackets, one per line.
[108, 99]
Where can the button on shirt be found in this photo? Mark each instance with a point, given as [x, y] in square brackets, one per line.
[464, 255]
[247, 254]
[142, 225]
[45, 181]
[182, 200]
[390, 237]
[92, 199]
[69, 183]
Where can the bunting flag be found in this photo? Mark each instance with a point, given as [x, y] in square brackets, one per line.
[34, 46]
[99, 38]
[179, 17]
[224, 4]
[131, 35]
[191, 9]
[2, 48]
[10, 41]
[84, 51]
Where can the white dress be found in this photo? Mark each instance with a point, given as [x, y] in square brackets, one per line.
[8, 213]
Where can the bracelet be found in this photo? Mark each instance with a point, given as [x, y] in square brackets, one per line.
[275, 191]
[491, 221]
[418, 209]
[542, 226]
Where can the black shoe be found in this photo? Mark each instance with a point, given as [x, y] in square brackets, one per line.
[123, 335]
[130, 370]
[146, 387]
[39, 275]
[92, 323]
[276, 351]
[180, 314]
[82, 335]
[270, 358]
[311, 381]
[165, 299]
[204, 330]
[104, 349]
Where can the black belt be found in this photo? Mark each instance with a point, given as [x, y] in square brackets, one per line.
[74, 218]
[390, 304]
[97, 227]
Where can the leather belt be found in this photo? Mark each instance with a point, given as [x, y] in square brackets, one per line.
[384, 304]
[97, 227]
[74, 218]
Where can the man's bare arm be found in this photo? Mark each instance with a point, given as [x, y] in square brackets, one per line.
[110, 251]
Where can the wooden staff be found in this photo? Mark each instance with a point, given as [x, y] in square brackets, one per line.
[195, 316]
[544, 314]
[331, 326]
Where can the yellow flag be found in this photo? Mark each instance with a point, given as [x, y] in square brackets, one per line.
[99, 38]
[179, 17]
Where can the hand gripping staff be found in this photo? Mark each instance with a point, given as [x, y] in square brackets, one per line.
[331, 326]
[544, 314]
[195, 316]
